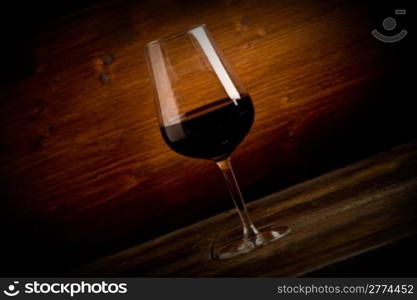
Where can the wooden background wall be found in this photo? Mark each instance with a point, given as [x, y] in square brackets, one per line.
[84, 170]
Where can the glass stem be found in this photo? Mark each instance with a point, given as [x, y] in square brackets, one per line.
[249, 230]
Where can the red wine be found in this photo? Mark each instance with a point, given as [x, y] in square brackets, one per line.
[213, 131]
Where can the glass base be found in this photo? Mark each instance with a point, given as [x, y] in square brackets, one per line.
[235, 247]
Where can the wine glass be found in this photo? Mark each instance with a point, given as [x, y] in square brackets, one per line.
[204, 112]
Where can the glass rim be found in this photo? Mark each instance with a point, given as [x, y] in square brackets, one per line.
[175, 35]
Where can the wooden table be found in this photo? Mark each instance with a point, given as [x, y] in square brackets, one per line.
[349, 211]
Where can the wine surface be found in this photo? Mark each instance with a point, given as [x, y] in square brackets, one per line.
[212, 131]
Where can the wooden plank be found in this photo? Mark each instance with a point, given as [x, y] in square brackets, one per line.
[335, 216]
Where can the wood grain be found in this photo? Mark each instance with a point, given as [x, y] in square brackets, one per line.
[335, 216]
[84, 170]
